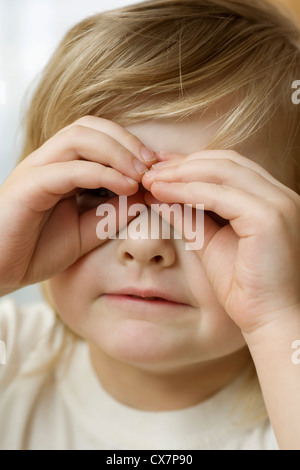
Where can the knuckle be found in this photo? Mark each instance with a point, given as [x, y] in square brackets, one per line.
[193, 156]
[121, 154]
[231, 155]
[273, 220]
[108, 174]
[74, 171]
[219, 188]
[268, 217]
[227, 164]
[191, 191]
[130, 141]
[288, 208]
[76, 132]
[86, 120]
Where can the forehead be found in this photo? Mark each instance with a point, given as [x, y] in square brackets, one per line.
[186, 136]
[194, 133]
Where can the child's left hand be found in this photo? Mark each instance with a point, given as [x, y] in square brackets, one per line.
[253, 263]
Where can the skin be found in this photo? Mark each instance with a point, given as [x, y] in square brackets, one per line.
[235, 291]
[174, 344]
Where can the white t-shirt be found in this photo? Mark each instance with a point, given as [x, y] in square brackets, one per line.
[69, 409]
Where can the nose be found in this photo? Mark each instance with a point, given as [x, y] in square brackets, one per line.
[147, 251]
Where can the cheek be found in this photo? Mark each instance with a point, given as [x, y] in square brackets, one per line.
[225, 336]
[221, 335]
[215, 330]
[72, 291]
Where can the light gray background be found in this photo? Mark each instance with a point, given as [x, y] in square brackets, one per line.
[30, 30]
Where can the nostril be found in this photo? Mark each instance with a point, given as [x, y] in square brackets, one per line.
[157, 258]
[128, 255]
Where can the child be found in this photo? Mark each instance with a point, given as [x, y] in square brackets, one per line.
[144, 344]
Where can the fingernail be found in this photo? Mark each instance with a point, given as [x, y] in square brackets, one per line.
[161, 183]
[147, 154]
[160, 164]
[130, 180]
[151, 173]
[163, 153]
[140, 167]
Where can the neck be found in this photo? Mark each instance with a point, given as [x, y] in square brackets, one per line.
[168, 390]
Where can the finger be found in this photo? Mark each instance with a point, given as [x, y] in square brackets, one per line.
[232, 156]
[42, 187]
[223, 171]
[80, 142]
[74, 236]
[171, 213]
[156, 168]
[211, 243]
[118, 133]
[194, 227]
[244, 211]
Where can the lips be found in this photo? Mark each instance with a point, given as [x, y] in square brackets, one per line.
[147, 298]
[149, 294]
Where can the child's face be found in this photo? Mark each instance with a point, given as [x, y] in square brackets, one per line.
[156, 336]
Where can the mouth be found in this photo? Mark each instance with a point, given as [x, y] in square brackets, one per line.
[142, 300]
[146, 297]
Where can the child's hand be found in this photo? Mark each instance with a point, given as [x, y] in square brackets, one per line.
[253, 263]
[42, 229]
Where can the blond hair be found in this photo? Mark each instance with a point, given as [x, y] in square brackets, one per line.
[165, 58]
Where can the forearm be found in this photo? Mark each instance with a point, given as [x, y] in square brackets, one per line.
[279, 375]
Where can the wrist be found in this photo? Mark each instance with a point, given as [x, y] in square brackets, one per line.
[283, 326]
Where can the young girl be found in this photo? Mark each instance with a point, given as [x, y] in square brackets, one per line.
[142, 343]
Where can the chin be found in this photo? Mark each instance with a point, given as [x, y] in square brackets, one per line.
[141, 344]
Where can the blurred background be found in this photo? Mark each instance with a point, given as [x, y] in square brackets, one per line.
[30, 30]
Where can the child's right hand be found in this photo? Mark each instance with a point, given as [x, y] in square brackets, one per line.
[42, 230]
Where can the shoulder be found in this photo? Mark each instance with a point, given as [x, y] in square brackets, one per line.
[25, 322]
[26, 331]
[13, 315]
